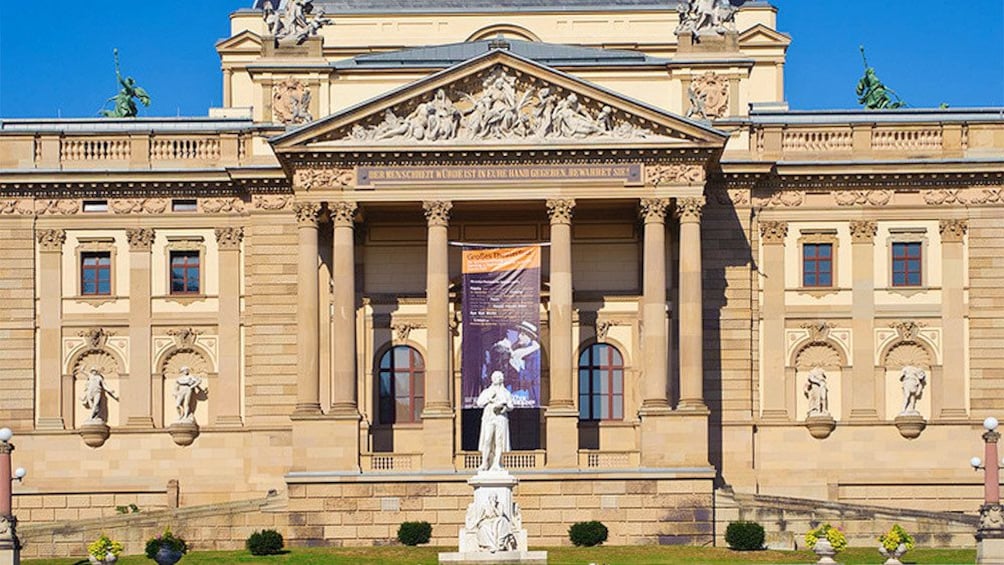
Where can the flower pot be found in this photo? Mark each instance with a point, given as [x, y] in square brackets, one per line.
[108, 559]
[825, 551]
[167, 556]
[892, 557]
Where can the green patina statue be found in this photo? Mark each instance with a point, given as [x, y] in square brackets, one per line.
[125, 106]
[874, 95]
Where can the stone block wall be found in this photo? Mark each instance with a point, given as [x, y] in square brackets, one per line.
[38, 508]
[17, 323]
[986, 313]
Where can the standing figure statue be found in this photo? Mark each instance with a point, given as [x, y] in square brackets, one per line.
[186, 387]
[95, 396]
[913, 380]
[494, 440]
[817, 393]
[125, 106]
[873, 93]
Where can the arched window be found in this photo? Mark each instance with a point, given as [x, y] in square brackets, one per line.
[401, 382]
[601, 383]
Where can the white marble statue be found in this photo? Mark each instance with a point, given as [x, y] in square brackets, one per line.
[186, 387]
[295, 22]
[493, 525]
[913, 379]
[706, 16]
[817, 392]
[95, 397]
[496, 401]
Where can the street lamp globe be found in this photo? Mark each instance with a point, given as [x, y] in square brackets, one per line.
[6, 434]
[20, 473]
[990, 424]
[976, 462]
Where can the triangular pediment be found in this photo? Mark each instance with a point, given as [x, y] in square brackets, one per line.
[245, 41]
[499, 99]
[761, 35]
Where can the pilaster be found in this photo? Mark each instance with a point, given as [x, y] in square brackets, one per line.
[862, 385]
[772, 236]
[138, 390]
[228, 390]
[953, 321]
[50, 298]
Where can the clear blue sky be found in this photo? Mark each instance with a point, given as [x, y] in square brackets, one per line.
[60, 62]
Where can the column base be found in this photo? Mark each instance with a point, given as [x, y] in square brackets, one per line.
[50, 424]
[863, 414]
[676, 439]
[562, 437]
[140, 422]
[229, 422]
[775, 416]
[953, 414]
[326, 444]
[307, 411]
[438, 441]
[691, 405]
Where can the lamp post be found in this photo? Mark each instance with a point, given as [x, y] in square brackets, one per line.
[990, 533]
[10, 547]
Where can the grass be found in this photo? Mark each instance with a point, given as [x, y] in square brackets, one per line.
[606, 555]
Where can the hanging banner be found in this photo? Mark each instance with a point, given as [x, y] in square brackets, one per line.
[501, 321]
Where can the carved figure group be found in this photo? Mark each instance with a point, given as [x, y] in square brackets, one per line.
[496, 402]
[95, 397]
[186, 388]
[124, 103]
[291, 102]
[706, 16]
[295, 22]
[913, 379]
[817, 392]
[494, 527]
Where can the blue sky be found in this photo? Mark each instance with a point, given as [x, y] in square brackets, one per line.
[60, 62]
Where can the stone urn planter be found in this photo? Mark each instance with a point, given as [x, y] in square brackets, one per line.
[183, 433]
[167, 556]
[892, 557]
[910, 425]
[94, 433]
[825, 551]
[105, 561]
[820, 426]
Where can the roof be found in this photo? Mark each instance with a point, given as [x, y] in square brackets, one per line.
[398, 6]
[550, 54]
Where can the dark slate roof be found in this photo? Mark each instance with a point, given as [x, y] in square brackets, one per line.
[550, 54]
[399, 6]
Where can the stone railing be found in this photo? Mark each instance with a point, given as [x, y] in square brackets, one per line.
[589, 459]
[834, 141]
[514, 460]
[387, 462]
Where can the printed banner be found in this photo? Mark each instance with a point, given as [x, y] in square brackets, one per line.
[501, 321]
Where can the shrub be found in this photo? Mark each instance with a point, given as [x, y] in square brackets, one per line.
[267, 542]
[414, 533]
[103, 547]
[836, 538]
[895, 536]
[588, 534]
[167, 539]
[744, 536]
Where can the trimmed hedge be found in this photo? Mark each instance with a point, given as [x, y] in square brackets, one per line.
[414, 533]
[588, 534]
[744, 536]
[267, 542]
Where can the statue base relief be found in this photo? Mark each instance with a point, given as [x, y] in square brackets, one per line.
[910, 424]
[94, 433]
[183, 433]
[493, 529]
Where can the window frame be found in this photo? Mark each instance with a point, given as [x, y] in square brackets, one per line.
[905, 261]
[819, 237]
[388, 415]
[610, 398]
[96, 245]
[186, 267]
[192, 244]
[908, 235]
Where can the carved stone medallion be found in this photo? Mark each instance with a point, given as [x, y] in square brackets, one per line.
[709, 97]
[291, 102]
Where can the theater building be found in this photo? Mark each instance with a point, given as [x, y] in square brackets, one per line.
[708, 256]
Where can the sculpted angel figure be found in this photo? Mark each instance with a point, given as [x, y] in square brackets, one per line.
[496, 401]
[186, 387]
[95, 396]
[913, 380]
[817, 393]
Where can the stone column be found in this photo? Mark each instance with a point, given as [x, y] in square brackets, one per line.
[562, 417]
[691, 306]
[953, 322]
[10, 545]
[775, 392]
[437, 416]
[654, 340]
[343, 274]
[137, 403]
[50, 307]
[227, 396]
[862, 385]
[308, 402]
[228, 88]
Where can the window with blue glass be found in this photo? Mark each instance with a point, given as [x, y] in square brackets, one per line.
[186, 271]
[907, 264]
[817, 264]
[96, 273]
[401, 384]
[601, 383]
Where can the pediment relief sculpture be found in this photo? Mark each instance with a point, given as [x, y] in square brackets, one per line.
[499, 105]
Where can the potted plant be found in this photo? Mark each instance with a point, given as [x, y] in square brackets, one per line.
[104, 550]
[826, 541]
[895, 543]
[166, 549]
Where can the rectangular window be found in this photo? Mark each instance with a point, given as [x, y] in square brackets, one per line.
[96, 273]
[95, 206]
[817, 265]
[185, 272]
[186, 205]
[907, 264]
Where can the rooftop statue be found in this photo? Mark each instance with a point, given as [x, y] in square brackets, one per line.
[125, 106]
[707, 16]
[295, 21]
[873, 94]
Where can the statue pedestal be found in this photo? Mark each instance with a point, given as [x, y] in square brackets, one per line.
[493, 529]
[10, 547]
[910, 424]
[183, 433]
[94, 433]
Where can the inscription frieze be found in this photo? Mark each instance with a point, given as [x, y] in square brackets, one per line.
[370, 176]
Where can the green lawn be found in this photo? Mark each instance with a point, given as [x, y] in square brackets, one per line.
[630, 555]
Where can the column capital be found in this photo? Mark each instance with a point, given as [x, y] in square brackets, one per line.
[50, 240]
[953, 231]
[343, 213]
[560, 210]
[653, 210]
[308, 214]
[437, 212]
[689, 210]
[140, 239]
[229, 238]
[773, 233]
[863, 231]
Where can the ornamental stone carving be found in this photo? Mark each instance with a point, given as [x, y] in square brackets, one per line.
[271, 202]
[953, 230]
[818, 392]
[343, 214]
[989, 196]
[229, 238]
[913, 380]
[138, 205]
[709, 97]
[222, 205]
[653, 210]
[291, 102]
[773, 233]
[330, 179]
[56, 207]
[676, 173]
[402, 330]
[943, 196]
[96, 338]
[50, 240]
[16, 207]
[184, 338]
[308, 214]
[863, 231]
[819, 331]
[907, 330]
[862, 197]
[497, 106]
[295, 22]
[706, 17]
[689, 209]
[784, 199]
[437, 213]
[560, 211]
[140, 239]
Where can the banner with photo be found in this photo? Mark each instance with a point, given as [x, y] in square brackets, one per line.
[501, 322]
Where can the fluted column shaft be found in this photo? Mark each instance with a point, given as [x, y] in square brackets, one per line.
[50, 293]
[343, 274]
[560, 318]
[691, 305]
[654, 336]
[308, 401]
[437, 372]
